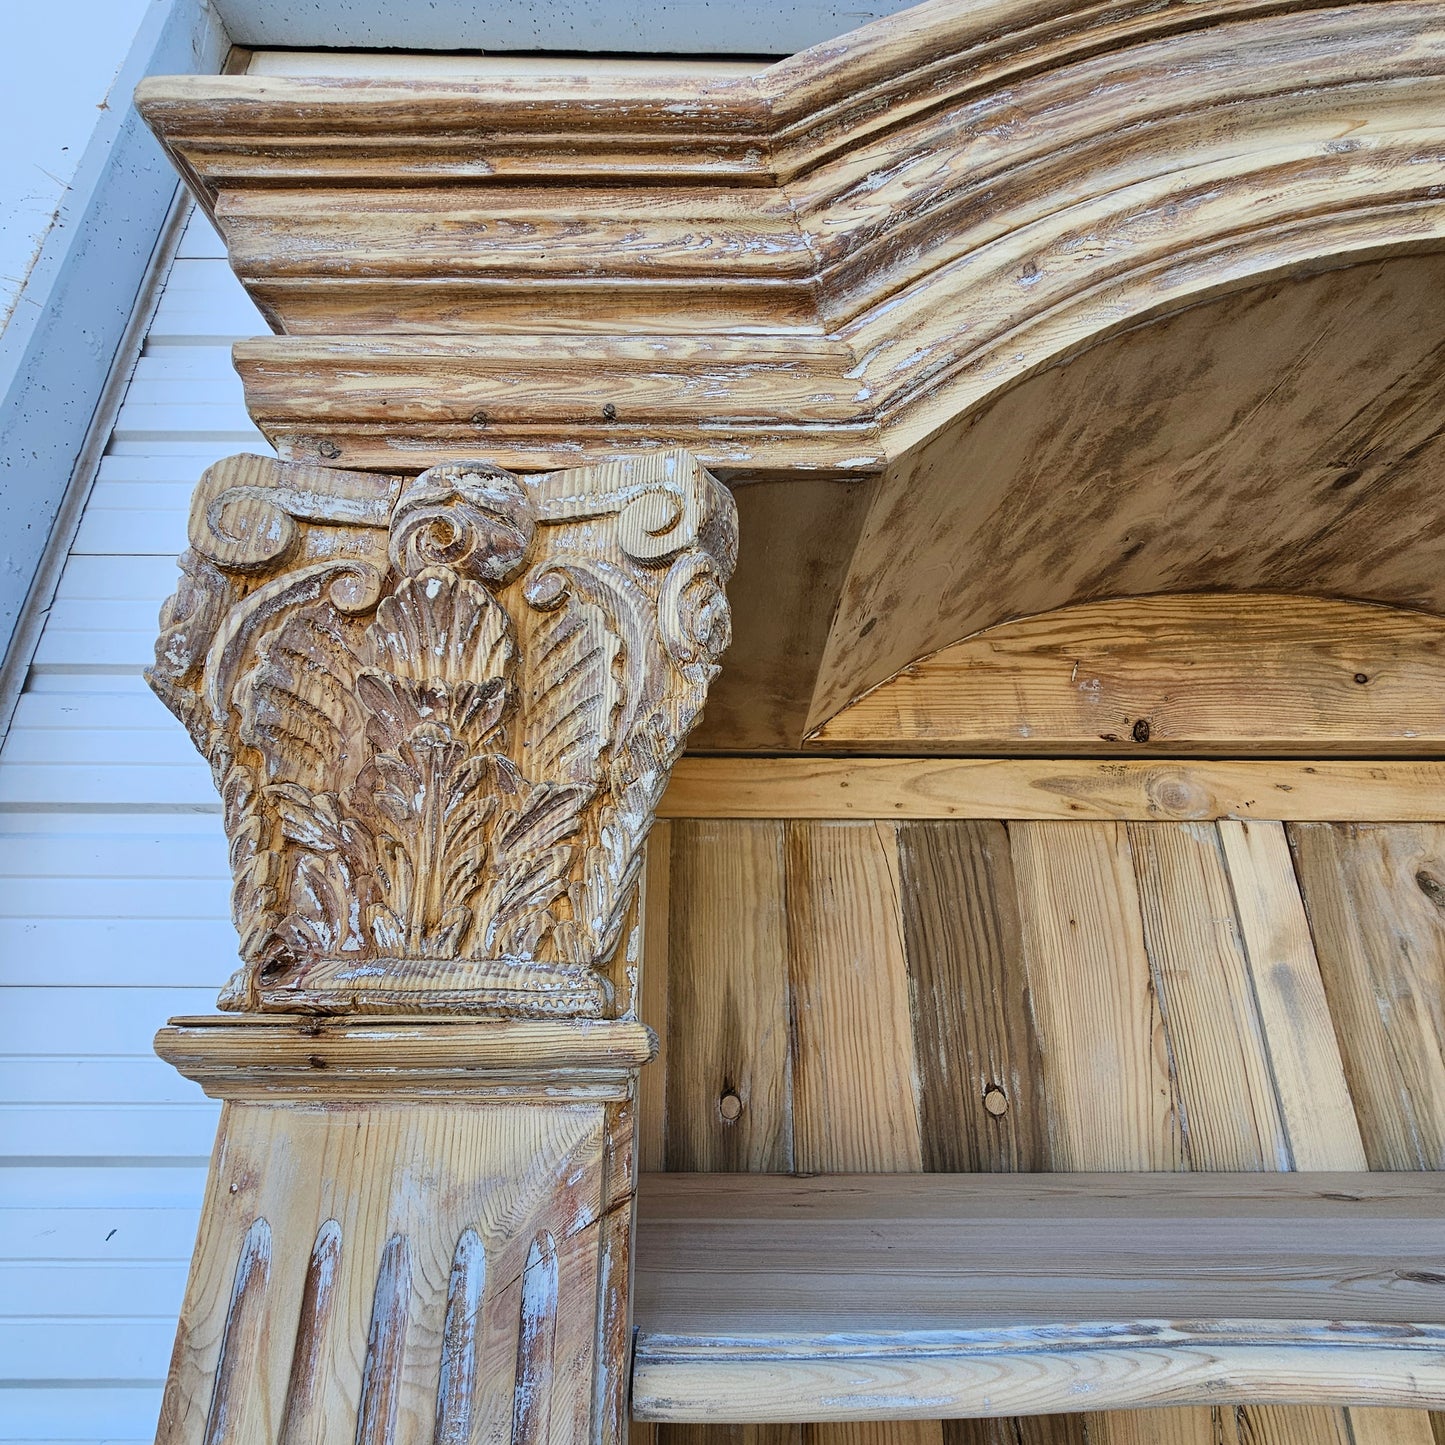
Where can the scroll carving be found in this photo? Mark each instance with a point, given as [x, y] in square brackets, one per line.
[440, 712]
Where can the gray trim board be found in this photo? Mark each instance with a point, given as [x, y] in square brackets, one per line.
[69, 319]
[677, 27]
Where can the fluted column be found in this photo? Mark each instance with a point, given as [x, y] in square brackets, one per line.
[440, 711]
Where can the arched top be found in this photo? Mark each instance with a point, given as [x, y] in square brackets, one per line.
[814, 268]
[833, 281]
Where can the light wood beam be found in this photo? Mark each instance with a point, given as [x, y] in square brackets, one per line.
[919, 1296]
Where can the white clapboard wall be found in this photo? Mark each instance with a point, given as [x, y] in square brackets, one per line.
[113, 913]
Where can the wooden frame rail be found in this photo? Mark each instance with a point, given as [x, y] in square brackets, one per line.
[855, 1297]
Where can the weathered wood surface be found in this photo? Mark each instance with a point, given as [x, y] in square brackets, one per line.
[1173, 790]
[439, 1253]
[1016, 939]
[1259, 442]
[1377, 911]
[440, 712]
[761, 1293]
[1235, 674]
[891, 191]
[864, 272]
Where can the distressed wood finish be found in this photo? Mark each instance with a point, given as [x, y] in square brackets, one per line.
[1210, 1079]
[1169, 790]
[1377, 912]
[1237, 674]
[440, 712]
[885, 191]
[905, 1296]
[1020, 354]
[996, 320]
[411, 1231]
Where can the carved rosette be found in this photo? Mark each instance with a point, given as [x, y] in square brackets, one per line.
[440, 712]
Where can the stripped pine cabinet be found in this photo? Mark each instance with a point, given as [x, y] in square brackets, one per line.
[1019, 379]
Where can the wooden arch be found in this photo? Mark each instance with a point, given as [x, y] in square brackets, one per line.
[815, 278]
[981, 313]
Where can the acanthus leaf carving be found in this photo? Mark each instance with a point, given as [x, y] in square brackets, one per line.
[441, 712]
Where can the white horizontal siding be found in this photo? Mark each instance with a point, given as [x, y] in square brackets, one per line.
[113, 914]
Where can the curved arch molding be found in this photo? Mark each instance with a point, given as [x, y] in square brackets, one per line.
[1185, 251]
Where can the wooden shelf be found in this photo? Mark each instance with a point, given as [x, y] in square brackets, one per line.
[773, 1298]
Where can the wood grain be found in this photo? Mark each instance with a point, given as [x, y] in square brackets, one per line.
[1377, 914]
[855, 1077]
[1218, 1057]
[1314, 1097]
[1237, 674]
[729, 1085]
[1099, 1026]
[1185, 789]
[387, 1268]
[738, 1273]
[865, 262]
[983, 1105]
[653, 994]
[411, 694]
[787, 206]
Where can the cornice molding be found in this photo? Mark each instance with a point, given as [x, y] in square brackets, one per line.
[813, 268]
[825, 272]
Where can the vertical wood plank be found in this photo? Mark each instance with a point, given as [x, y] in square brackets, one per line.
[728, 1434]
[982, 1091]
[1019, 1430]
[1375, 896]
[1101, 1033]
[728, 1086]
[855, 1084]
[1305, 1058]
[981, 1071]
[653, 997]
[855, 1079]
[1217, 1051]
[1299, 1033]
[1282, 1425]
[1105, 1054]
[1395, 1427]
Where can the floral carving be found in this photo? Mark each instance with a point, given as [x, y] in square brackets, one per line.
[441, 712]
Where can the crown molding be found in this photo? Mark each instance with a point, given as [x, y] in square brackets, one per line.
[815, 267]
[821, 273]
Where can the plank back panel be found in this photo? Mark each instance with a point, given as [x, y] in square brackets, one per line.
[979, 995]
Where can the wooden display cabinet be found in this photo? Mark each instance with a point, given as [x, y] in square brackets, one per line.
[1004, 448]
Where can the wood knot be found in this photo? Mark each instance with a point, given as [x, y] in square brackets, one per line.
[1140, 731]
[609, 412]
[1431, 887]
[1362, 678]
[730, 1107]
[995, 1101]
[329, 450]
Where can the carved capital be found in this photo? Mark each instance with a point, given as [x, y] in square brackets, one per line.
[440, 712]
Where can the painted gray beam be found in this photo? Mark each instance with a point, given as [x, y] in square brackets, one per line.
[62, 338]
[677, 27]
